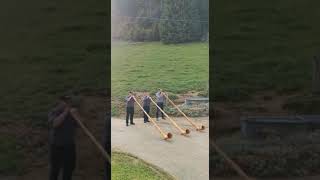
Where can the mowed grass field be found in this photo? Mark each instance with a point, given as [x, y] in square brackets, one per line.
[128, 167]
[148, 66]
[263, 46]
[47, 48]
[53, 49]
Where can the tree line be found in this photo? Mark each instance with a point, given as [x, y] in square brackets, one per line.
[169, 21]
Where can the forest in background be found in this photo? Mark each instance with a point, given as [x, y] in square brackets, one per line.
[167, 21]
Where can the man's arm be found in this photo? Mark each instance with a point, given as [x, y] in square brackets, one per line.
[58, 120]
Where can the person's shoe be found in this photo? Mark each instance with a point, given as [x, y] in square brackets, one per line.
[145, 121]
[132, 123]
[127, 124]
[157, 119]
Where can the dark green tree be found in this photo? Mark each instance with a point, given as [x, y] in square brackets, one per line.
[180, 21]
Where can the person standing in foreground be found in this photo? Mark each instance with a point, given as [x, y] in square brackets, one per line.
[130, 108]
[160, 102]
[62, 131]
[146, 106]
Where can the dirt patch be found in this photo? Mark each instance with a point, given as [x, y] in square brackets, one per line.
[227, 114]
[181, 97]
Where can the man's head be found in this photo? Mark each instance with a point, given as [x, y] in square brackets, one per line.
[130, 93]
[70, 99]
[65, 99]
[147, 94]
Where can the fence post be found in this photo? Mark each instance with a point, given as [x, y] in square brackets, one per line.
[316, 76]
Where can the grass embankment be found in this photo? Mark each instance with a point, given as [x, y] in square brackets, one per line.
[263, 46]
[125, 166]
[148, 66]
[10, 156]
[274, 156]
[47, 48]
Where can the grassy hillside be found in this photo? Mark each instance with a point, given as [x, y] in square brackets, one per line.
[149, 66]
[263, 46]
[47, 48]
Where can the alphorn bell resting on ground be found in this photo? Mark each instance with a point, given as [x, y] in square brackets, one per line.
[62, 129]
[183, 132]
[130, 108]
[198, 128]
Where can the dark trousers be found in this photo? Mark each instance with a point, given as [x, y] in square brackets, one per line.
[130, 112]
[160, 104]
[145, 117]
[62, 158]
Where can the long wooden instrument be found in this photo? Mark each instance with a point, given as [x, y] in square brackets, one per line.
[172, 121]
[198, 128]
[230, 162]
[165, 136]
[76, 116]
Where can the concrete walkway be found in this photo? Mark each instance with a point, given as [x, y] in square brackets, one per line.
[186, 158]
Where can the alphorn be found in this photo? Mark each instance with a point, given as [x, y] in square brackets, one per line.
[165, 136]
[189, 120]
[76, 116]
[183, 132]
[235, 166]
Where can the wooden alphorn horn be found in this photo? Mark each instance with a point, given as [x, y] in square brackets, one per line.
[165, 136]
[188, 119]
[76, 116]
[230, 161]
[183, 132]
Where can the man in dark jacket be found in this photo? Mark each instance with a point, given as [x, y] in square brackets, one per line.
[160, 102]
[62, 129]
[146, 106]
[130, 108]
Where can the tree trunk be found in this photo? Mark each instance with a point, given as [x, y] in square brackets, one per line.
[316, 76]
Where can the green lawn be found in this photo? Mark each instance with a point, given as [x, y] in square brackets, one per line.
[127, 167]
[47, 48]
[152, 65]
[10, 157]
[263, 46]
[49, 51]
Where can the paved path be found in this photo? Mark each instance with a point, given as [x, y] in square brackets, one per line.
[186, 158]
